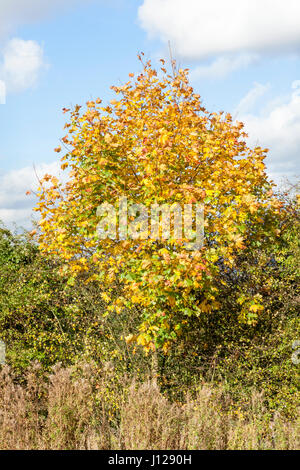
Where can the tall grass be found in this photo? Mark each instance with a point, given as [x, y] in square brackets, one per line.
[80, 408]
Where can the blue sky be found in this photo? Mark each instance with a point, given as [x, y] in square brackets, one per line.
[244, 59]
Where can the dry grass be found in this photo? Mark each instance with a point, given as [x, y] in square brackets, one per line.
[80, 409]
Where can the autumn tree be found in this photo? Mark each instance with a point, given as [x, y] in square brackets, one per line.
[156, 144]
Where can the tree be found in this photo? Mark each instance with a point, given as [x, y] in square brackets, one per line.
[156, 144]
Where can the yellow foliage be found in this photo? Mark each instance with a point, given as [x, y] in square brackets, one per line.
[155, 143]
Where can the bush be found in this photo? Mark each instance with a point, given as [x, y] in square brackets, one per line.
[45, 318]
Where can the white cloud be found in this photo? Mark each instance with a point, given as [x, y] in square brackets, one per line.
[15, 12]
[200, 28]
[15, 205]
[278, 128]
[223, 66]
[21, 61]
[247, 103]
[21, 64]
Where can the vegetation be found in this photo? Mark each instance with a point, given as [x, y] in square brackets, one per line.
[142, 343]
[72, 409]
[158, 145]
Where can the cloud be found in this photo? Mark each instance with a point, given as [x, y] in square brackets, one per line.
[16, 12]
[247, 103]
[200, 29]
[223, 66]
[278, 128]
[21, 61]
[21, 64]
[15, 206]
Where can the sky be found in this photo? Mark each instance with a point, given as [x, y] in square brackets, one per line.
[243, 56]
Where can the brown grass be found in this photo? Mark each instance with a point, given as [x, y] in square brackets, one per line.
[78, 408]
